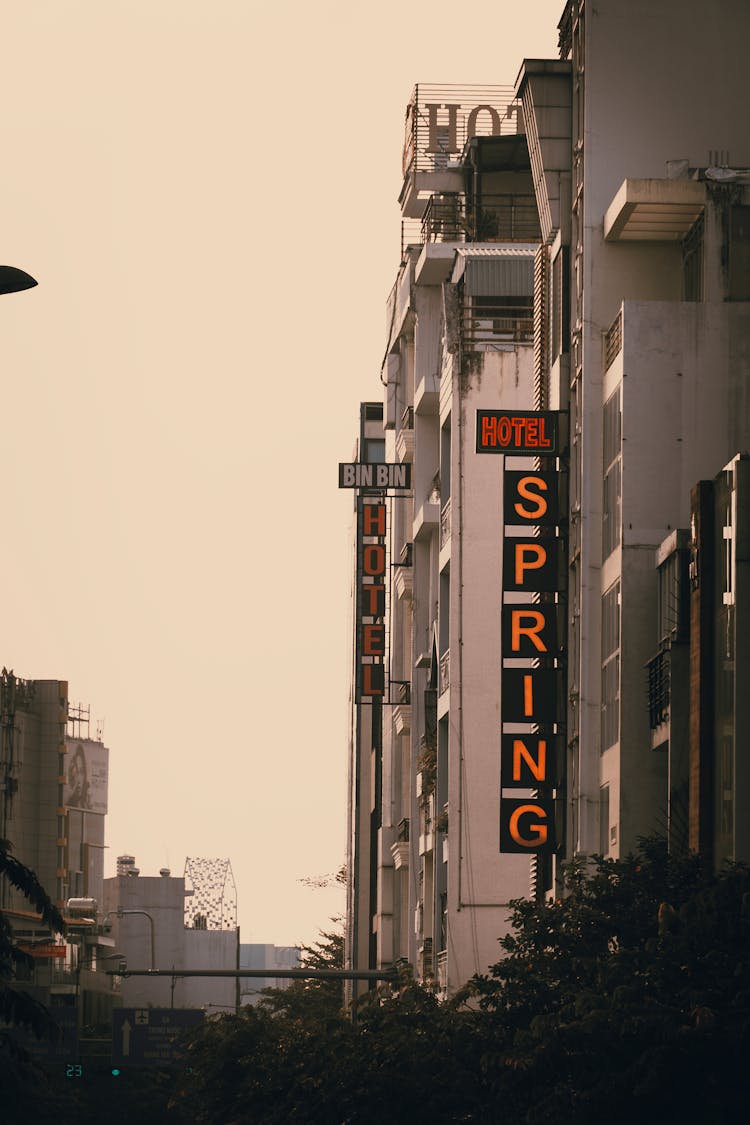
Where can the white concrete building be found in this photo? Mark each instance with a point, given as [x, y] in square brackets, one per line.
[641, 176]
[159, 922]
[636, 213]
[433, 888]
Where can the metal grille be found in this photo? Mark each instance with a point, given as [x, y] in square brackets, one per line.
[658, 671]
[496, 319]
[498, 218]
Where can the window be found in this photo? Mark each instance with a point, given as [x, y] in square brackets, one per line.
[739, 255]
[604, 820]
[611, 519]
[611, 667]
[674, 607]
[692, 262]
[374, 451]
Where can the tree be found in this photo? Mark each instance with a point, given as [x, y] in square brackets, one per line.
[312, 998]
[17, 1007]
[628, 998]
[19, 1077]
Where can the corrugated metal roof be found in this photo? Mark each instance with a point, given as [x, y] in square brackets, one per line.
[499, 277]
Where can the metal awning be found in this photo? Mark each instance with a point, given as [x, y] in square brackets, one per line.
[654, 210]
[496, 272]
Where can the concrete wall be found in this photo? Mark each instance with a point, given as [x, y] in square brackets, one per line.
[480, 881]
[162, 898]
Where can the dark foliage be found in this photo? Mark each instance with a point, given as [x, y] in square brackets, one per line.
[628, 999]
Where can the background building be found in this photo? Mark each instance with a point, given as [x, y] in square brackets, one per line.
[434, 888]
[259, 956]
[53, 804]
[170, 922]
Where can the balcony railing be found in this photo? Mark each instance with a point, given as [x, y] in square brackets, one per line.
[445, 523]
[444, 672]
[499, 218]
[498, 319]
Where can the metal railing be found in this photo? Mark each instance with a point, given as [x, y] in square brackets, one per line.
[444, 672]
[445, 523]
[498, 218]
[498, 319]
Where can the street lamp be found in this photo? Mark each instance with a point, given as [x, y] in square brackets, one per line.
[13, 280]
[119, 913]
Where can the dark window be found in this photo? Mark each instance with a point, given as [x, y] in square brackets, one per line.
[739, 255]
[612, 479]
[611, 667]
[692, 262]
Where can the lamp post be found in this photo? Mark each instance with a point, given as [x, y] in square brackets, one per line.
[13, 280]
[120, 913]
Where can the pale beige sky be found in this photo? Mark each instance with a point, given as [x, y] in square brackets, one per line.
[206, 191]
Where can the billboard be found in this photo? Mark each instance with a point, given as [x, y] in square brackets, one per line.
[86, 775]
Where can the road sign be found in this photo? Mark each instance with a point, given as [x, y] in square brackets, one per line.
[150, 1036]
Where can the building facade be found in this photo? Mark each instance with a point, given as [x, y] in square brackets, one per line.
[577, 247]
[433, 889]
[642, 191]
[53, 805]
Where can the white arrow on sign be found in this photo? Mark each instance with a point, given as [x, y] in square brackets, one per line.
[126, 1029]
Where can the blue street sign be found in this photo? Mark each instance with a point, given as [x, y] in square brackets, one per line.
[150, 1036]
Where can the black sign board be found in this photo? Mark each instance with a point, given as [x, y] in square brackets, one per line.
[529, 695]
[518, 432]
[527, 761]
[527, 825]
[530, 630]
[150, 1036]
[530, 498]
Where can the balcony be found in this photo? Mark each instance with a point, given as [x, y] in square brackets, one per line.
[427, 516]
[403, 581]
[400, 846]
[444, 672]
[498, 218]
[445, 524]
[405, 436]
[442, 973]
[402, 710]
[492, 320]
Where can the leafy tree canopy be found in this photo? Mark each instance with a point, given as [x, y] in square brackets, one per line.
[626, 999]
